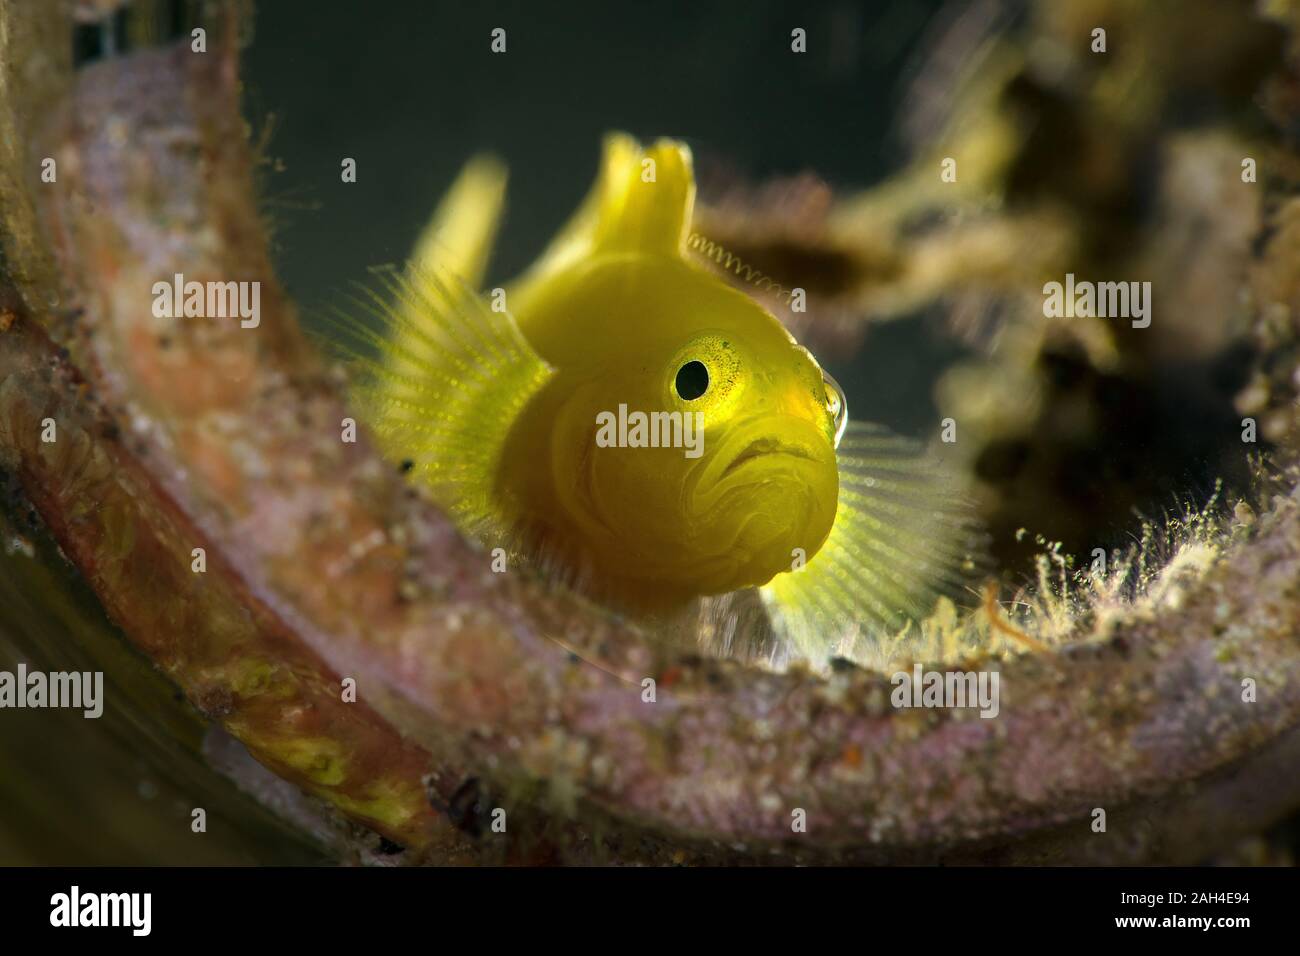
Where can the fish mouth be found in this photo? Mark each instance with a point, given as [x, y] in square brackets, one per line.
[771, 486]
[765, 447]
[764, 441]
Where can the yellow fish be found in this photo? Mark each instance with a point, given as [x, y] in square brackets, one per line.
[622, 416]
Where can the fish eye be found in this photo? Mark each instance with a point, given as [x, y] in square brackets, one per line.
[692, 380]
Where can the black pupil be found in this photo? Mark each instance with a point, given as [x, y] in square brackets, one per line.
[692, 380]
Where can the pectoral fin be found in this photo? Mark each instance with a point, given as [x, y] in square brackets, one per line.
[903, 536]
[442, 380]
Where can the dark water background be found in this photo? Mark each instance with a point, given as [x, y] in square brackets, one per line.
[410, 89]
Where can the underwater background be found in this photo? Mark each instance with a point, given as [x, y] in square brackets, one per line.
[398, 87]
[411, 100]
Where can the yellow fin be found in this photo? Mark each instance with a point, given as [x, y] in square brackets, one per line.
[642, 201]
[903, 537]
[442, 381]
[458, 239]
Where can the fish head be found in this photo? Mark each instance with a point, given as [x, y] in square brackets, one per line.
[702, 449]
[647, 343]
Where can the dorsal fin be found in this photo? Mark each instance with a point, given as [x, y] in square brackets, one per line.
[642, 201]
[645, 196]
[458, 238]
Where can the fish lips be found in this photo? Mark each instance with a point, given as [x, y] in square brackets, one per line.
[769, 487]
[766, 450]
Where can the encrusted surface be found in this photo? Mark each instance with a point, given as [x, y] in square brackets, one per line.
[322, 564]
